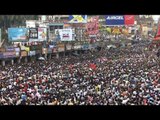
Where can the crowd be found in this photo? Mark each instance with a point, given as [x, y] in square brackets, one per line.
[121, 76]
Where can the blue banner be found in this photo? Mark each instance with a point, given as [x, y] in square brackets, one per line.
[17, 34]
[113, 20]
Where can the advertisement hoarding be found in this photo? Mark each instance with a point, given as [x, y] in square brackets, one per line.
[117, 20]
[78, 19]
[93, 26]
[33, 34]
[42, 34]
[17, 34]
[64, 34]
[113, 20]
[129, 19]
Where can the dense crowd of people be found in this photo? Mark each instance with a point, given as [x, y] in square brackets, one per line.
[120, 76]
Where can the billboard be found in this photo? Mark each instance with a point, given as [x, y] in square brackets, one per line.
[33, 33]
[112, 20]
[42, 34]
[78, 19]
[64, 34]
[129, 19]
[17, 34]
[116, 20]
[93, 26]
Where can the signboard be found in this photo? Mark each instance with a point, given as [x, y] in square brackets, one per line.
[42, 34]
[9, 54]
[17, 34]
[33, 33]
[23, 53]
[113, 20]
[64, 34]
[78, 19]
[129, 19]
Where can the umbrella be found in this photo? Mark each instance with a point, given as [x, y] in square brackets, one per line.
[41, 58]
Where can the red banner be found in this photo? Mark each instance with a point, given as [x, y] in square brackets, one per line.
[93, 26]
[129, 19]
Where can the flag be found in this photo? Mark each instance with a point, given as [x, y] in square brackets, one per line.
[92, 66]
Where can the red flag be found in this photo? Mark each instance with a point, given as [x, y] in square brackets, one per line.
[92, 66]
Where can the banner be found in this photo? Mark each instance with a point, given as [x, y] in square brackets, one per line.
[33, 34]
[78, 19]
[23, 53]
[9, 54]
[113, 20]
[129, 19]
[17, 34]
[64, 34]
[93, 26]
[42, 34]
